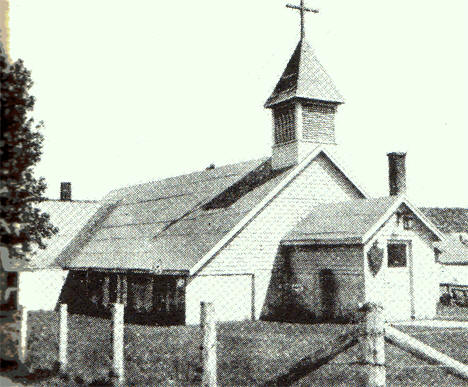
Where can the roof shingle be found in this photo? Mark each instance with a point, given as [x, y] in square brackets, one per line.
[170, 224]
[69, 217]
[344, 222]
[304, 77]
[448, 220]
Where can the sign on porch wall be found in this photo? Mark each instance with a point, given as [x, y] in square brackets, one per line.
[375, 258]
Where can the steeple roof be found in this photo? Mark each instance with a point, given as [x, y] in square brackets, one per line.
[304, 77]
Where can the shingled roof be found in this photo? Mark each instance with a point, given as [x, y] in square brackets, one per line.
[168, 225]
[350, 222]
[304, 77]
[69, 217]
[454, 250]
[344, 222]
[454, 223]
[448, 220]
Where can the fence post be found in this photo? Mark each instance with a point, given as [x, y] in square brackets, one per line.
[118, 342]
[373, 345]
[208, 325]
[63, 338]
[23, 334]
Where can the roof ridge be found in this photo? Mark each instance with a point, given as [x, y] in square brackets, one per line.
[187, 174]
[70, 201]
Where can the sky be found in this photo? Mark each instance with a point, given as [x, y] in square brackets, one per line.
[134, 91]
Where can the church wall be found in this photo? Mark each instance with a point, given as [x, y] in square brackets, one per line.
[256, 247]
[232, 296]
[423, 273]
[311, 283]
[319, 123]
[40, 289]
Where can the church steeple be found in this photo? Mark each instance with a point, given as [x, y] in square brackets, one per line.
[303, 104]
[305, 78]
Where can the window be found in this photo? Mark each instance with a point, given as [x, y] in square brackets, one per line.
[396, 254]
[141, 294]
[284, 125]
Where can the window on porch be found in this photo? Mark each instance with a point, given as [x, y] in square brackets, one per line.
[397, 255]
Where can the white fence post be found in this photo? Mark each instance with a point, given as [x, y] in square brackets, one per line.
[118, 341]
[373, 345]
[63, 338]
[23, 336]
[208, 325]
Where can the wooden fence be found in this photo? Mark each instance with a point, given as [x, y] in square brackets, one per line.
[370, 334]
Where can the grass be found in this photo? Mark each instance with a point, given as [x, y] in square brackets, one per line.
[452, 312]
[451, 341]
[249, 354]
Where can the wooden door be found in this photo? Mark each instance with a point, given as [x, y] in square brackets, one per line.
[398, 301]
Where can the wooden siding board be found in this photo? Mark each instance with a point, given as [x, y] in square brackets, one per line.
[304, 259]
[315, 283]
[254, 249]
[424, 268]
[215, 288]
[319, 123]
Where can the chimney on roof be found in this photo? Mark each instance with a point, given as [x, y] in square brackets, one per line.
[65, 191]
[397, 173]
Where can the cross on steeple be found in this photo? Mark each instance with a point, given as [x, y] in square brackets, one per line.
[302, 10]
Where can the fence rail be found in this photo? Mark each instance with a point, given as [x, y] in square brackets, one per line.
[115, 344]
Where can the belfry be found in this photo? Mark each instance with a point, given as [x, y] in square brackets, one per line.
[303, 104]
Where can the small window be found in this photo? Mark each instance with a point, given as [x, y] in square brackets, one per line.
[396, 254]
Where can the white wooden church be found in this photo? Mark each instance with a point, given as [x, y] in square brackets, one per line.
[292, 236]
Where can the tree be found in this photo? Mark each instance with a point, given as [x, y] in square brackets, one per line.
[22, 225]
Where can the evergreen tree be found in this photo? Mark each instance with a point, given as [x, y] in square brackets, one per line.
[22, 225]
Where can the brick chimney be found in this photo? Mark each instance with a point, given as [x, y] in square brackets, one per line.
[397, 173]
[65, 191]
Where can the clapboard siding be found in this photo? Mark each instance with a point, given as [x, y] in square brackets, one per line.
[307, 259]
[232, 296]
[254, 249]
[319, 123]
[314, 283]
[40, 289]
[423, 267]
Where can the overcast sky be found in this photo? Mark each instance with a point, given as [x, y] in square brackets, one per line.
[133, 91]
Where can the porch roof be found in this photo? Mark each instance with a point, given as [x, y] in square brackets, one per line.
[340, 223]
